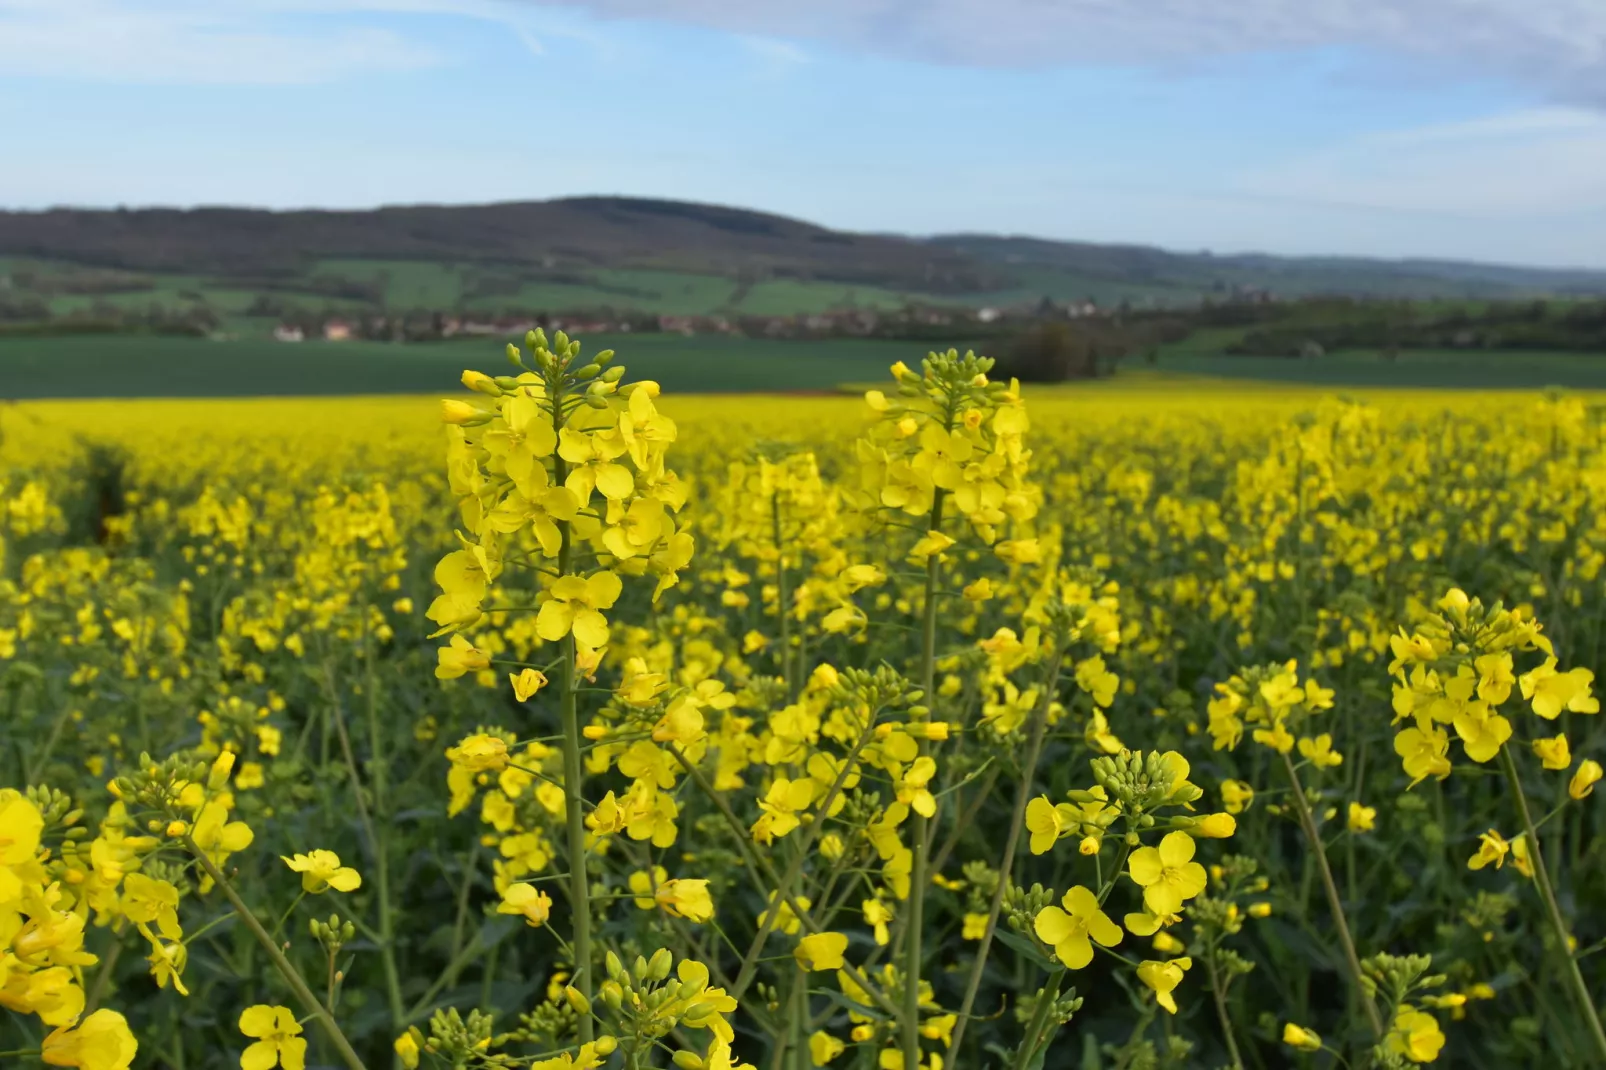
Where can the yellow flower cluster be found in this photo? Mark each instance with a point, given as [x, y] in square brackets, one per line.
[734, 732]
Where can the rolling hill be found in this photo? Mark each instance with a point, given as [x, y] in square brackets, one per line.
[246, 267]
[539, 236]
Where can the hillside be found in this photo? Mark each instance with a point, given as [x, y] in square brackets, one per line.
[1146, 266]
[557, 236]
[244, 270]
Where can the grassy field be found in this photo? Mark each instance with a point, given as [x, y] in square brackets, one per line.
[140, 366]
[136, 366]
[1435, 368]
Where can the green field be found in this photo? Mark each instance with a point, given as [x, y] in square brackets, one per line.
[144, 366]
[147, 366]
[1437, 368]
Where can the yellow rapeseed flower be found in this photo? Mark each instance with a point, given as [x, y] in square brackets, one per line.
[1554, 753]
[1167, 874]
[1415, 1034]
[1069, 931]
[1163, 978]
[821, 951]
[525, 900]
[1297, 1036]
[321, 871]
[1361, 818]
[1492, 847]
[1584, 780]
[279, 1042]
[101, 1041]
[1236, 796]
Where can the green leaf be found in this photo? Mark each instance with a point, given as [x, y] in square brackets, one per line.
[851, 1005]
[1022, 946]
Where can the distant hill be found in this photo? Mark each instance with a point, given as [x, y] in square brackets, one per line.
[569, 234]
[1287, 276]
[248, 268]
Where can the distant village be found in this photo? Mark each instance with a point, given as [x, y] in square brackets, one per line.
[909, 321]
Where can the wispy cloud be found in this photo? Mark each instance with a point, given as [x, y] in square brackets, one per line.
[1532, 163]
[777, 57]
[1556, 45]
[253, 41]
[189, 42]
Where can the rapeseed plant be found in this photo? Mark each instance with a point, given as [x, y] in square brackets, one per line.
[953, 726]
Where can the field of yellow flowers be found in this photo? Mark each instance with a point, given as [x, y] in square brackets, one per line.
[947, 727]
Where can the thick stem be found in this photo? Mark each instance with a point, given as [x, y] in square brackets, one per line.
[1335, 904]
[1031, 1039]
[1575, 976]
[913, 949]
[1006, 865]
[292, 977]
[800, 1024]
[573, 767]
[574, 818]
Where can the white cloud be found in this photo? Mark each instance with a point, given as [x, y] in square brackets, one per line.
[188, 42]
[1533, 163]
[1555, 46]
[252, 41]
[1559, 45]
[777, 57]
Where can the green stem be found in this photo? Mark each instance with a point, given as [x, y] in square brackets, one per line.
[1030, 1041]
[292, 976]
[967, 817]
[1006, 865]
[913, 942]
[1335, 904]
[573, 767]
[470, 856]
[574, 819]
[376, 844]
[799, 1022]
[783, 892]
[1575, 976]
[447, 976]
[756, 863]
[1220, 992]
[379, 776]
[37, 764]
[789, 671]
[103, 975]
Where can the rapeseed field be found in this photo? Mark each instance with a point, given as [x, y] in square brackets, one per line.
[568, 724]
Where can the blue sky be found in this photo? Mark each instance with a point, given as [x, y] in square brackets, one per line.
[1456, 128]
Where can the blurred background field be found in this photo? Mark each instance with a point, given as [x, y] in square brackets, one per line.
[116, 365]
